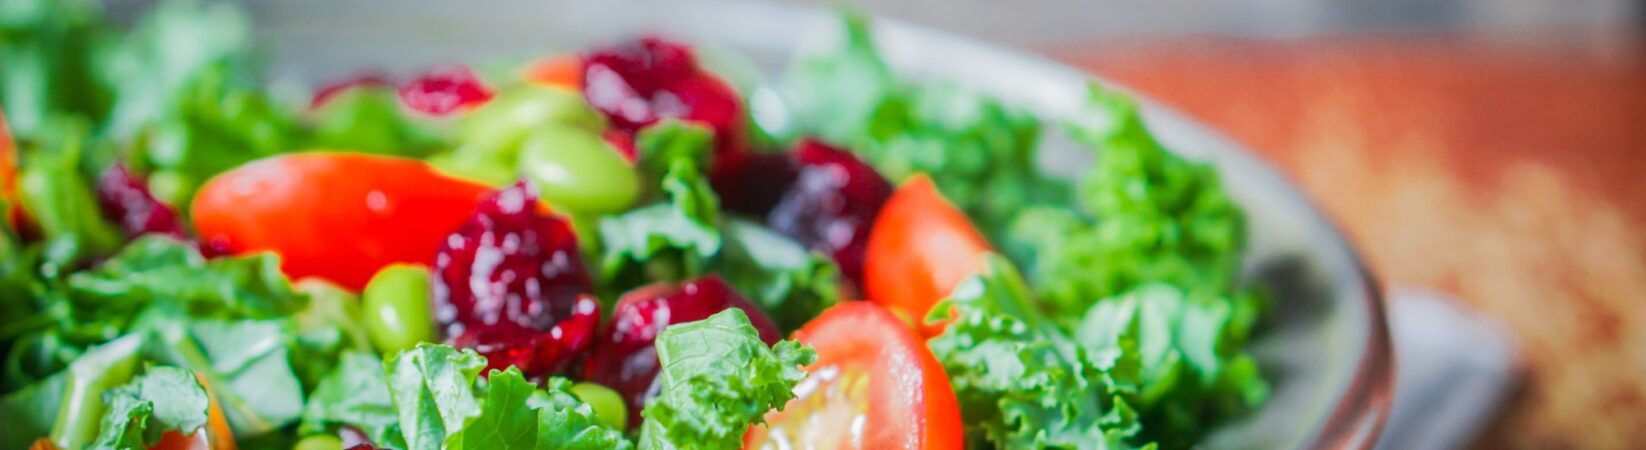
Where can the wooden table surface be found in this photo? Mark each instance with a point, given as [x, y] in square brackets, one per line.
[1510, 173]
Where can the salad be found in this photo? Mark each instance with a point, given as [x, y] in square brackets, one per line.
[610, 249]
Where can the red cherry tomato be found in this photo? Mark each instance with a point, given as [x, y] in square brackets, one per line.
[338, 216]
[920, 248]
[875, 385]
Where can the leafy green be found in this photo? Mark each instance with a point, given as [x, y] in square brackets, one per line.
[686, 236]
[433, 391]
[171, 45]
[980, 152]
[31, 411]
[49, 49]
[790, 283]
[566, 422]
[370, 119]
[355, 394]
[660, 146]
[717, 378]
[161, 269]
[1158, 218]
[1019, 378]
[61, 201]
[1192, 370]
[519, 416]
[161, 399]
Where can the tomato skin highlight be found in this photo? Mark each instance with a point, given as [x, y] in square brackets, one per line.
[910, 404]
[919, 249]
[337, 216]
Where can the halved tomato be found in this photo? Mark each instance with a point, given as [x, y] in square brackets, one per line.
[874, 386]
[920, 248]
[337, 216]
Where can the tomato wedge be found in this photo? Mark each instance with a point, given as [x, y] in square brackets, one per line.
[919, 249]
[874, 386]
[565, 71]
[337, 216]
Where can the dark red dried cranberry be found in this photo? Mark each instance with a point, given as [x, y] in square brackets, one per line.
[445, 90]
[624, 358]
[831, 204]
[509, 275]
[536, 351]
[125, 198]
[327, 92]
[752, 183]
[639, 82]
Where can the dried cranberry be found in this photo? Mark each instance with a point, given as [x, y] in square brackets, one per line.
[445, 90]
[752, 183]
[536, 351]
[624, 358]
[327, 92]
[509, 275]
[125, 198]
[639, 82]
[831, 204]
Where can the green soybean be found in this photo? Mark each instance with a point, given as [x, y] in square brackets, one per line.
[576, 170]
[319, 442]
[607, 404]
[397, 309]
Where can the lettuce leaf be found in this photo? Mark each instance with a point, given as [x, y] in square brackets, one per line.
[356, 394]
[434, 393]
[686, 235]
[980, 152]
[1192, 369]
[161, 399]
[1020, 379]
[162, 269]
[370, 119]
[518, 416]
[1157, 218]
[718, 378]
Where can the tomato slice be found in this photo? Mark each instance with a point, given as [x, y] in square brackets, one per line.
[565, 71]
[874, 386]
[919, 249]
[337, 216]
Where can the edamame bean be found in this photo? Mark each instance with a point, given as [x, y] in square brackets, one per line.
[397, 309]
[608, 406]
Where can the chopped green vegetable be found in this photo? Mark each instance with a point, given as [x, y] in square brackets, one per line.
[979, 152]
[161, 399]
[519, 416]
[1019, 377]
[355, 394]
[1192, 370]
[1158, 218]
[433, 391]
[370, 119]
[717, 379]
[686, 236]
